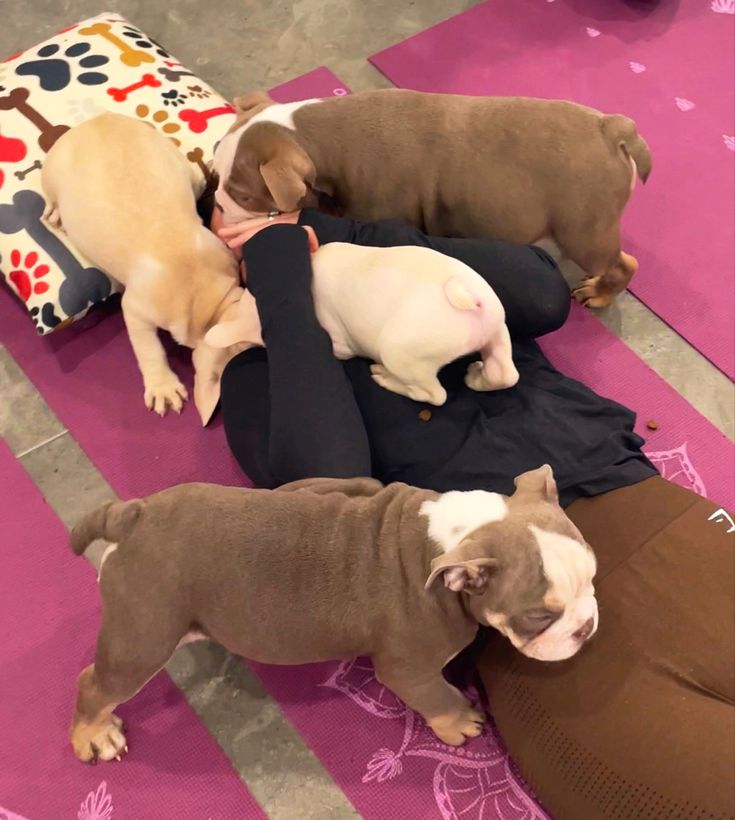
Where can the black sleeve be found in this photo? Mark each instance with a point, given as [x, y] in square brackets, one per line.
[526, 279]
[311, 422]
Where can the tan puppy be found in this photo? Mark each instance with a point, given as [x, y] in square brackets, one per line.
[510, 168]
[332, 568]
[124, 195]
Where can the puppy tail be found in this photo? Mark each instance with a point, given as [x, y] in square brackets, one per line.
[112, 521]
[459, 295]
[622, 134]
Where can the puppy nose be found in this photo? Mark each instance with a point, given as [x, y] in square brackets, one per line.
[585, 630]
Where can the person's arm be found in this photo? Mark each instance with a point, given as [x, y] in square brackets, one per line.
[526, 279]
[315, 425]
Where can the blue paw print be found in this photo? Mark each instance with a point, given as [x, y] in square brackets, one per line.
[54, 72]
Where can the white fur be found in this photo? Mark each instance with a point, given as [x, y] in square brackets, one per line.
[409, 309]
[455, 514]
[281, 113]
[109, 549]
[634, 178]
[569, 566]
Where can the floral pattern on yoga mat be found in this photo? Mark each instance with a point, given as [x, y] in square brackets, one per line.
[471, 781]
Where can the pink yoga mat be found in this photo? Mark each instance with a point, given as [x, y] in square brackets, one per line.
[378, 753]
[669, 65]
[49, 611]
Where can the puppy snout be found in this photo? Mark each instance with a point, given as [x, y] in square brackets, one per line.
[586, 630]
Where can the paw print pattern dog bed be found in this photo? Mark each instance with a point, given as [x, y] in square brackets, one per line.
[101, 64]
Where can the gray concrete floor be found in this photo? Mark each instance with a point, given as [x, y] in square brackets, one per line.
[238, 46]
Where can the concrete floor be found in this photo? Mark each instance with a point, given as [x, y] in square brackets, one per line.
[240, 46]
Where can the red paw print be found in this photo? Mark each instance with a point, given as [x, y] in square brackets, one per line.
[22, 271]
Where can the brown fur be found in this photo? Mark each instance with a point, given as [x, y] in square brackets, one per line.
[508, 168]
[319, 569]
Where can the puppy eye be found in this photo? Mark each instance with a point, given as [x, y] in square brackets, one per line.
[546, 618]
[534, 623]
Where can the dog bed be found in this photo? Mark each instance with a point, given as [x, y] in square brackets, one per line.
[101, 64]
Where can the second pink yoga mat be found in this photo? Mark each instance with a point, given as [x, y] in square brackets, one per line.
[669, 65]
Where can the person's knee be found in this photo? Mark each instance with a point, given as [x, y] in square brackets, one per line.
[553, 295]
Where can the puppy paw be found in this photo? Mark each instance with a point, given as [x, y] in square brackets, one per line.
[52, 216]
[491, 375]
[588, 293]
[475, 378]
[455, 728]
[168, 392]
[99, 741]
[384, 379]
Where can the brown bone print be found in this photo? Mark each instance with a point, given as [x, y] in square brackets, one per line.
[18, 99]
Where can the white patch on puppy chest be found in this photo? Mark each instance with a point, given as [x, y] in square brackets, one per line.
[456, 514]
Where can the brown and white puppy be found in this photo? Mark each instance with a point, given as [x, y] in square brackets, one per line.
[124, 195]
[512, 168]
[332, 568]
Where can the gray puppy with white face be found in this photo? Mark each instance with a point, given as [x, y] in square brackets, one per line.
[332, 568]
[536, 588]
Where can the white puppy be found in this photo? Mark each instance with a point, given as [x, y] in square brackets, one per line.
[409, 309]
[124, 195]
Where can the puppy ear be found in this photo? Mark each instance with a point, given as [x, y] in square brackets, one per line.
[244, 327]
[245, 103]
[287, 174]
[538, 482]
[470, 576]
[208, 366]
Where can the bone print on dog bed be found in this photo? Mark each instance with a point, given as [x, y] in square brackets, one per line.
[101, 64]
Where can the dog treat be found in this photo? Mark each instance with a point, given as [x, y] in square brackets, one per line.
[652, 425]
[425, 414]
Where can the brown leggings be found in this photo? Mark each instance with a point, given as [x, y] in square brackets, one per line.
[641, 724]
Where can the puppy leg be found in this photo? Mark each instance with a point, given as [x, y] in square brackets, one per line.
[161, 385]
[403, 373]
[445, 709]
[128, 656]
[596, 249]
[496, 371]
[599, 291]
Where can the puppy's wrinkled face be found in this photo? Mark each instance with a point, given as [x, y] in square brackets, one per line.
[524, 567]
[260, 164]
